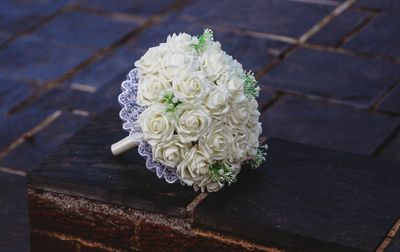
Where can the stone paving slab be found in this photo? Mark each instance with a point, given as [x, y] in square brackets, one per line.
[100, 73]
[33, 58]
[12, 92]
[16, 16]
[327, 125]
[309, 199]
[392, 102]
[340, 26]
[3, 36]
[391, 152]
[15, 125]
[27, 155]
[141, 7]
[14, 226]
[391, 6]
[331, 75]
[381, 36]
[264, 98]
[85, 30]
[278, 17]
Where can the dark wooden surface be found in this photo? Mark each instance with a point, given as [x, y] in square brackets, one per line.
[303, 197]
[84, 166]
[311, 198]
[394, 245]
[342, 73]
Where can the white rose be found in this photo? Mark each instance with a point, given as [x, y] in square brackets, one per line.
[237, 67]
[254, 135]
[254, 117]
[234, 84]
[175, 62]
[150, 61]
[217, 140]
[152, 89]
[155, 124]
[214, 186]
[170, 152]
[208, 184]
[192, 87]
[193, 122]
[182, 42]
[213, 63]
[252, 107]
[239, 147]
[194, 167]
[217, 101]
[239, 115]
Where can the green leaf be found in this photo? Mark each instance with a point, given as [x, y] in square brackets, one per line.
[206, 36]
[259, 158]
[250, 84]
[171, 103]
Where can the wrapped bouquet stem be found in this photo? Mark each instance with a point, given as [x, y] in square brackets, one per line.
[126, 144]
[191, 110]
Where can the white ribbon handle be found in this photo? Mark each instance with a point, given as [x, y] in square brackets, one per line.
[126, 143]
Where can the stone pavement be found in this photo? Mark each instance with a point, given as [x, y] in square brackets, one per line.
[329, 72]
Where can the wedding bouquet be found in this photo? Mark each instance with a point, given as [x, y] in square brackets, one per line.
[191, 108]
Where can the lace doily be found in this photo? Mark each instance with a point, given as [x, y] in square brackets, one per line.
[129, 114]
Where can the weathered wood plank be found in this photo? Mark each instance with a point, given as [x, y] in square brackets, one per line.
[309, 198]
[14, 226]
[84, 166]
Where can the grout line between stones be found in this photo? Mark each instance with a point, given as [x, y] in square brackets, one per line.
[308, 34]
[294, 41]
[81, 112]
[30, 134]
[12, 171]
[153, 20]
[298, 42]
[337, 11]
[330, 101]
[276, 61]
[375, 105]
[389, 236]
[351, 52]
[356, 30]
[386, 142]
[268, 105]
[83, 88]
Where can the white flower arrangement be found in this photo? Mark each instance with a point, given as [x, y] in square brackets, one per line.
[200, 114]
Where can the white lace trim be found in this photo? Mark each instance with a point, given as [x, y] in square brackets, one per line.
[129, 114]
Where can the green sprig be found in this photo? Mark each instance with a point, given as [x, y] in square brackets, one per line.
[202, 39]
[250, 84]
[220, 172]
[259, 157]
[171, 103]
